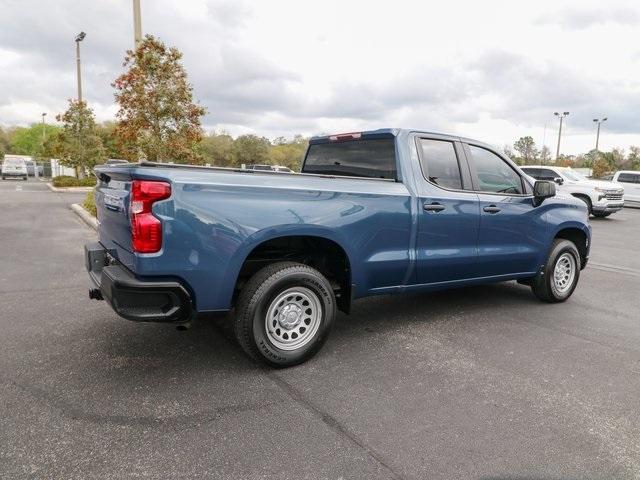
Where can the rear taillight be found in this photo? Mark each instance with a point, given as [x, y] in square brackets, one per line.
[146, 230]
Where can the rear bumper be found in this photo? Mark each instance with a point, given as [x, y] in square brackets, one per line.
[14, 174]
[132, 298]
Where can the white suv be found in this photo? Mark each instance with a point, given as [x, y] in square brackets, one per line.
[602, 197]
[14, 166]
[630, 179]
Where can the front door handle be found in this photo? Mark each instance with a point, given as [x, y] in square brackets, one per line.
[491, 209]
[433, 207]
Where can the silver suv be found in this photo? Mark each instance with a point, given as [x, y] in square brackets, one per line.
[14, 166]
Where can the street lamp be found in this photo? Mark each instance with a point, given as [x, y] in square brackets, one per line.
[561, 116]
[79, 38]
[137, 24]
[598, 121]
[44, 114]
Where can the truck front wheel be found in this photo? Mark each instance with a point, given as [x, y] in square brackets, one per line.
[560, 275]
[284, 314]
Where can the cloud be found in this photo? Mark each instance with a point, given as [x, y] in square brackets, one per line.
[581, 18]
[270, 70]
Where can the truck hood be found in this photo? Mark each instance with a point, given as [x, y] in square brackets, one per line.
[597, 184]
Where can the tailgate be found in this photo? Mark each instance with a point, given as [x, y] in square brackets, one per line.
[112, 204]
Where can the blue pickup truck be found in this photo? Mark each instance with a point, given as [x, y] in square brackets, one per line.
[376, 212]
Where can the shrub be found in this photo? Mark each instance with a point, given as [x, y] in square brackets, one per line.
[66, 181]
[90, 203]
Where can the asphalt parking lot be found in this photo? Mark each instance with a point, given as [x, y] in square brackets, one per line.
[479, 383]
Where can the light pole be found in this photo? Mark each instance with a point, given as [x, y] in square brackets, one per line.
[79, 38]
[598, 121]
[44, 114]
[137, 24]
[561, 116]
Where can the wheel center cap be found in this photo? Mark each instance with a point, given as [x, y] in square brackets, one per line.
[290, 316]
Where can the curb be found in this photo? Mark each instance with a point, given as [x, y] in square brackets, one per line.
[85, 216]
[68, 189]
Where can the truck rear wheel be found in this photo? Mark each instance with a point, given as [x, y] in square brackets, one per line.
[284, 314]
[561, 273]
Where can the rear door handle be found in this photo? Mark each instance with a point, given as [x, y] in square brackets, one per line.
[491, 209]
[433, 207]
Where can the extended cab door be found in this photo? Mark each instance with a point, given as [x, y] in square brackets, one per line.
[512, 231]
[446, 244]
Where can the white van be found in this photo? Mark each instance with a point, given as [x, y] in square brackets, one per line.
[14, 166]
[630, 179]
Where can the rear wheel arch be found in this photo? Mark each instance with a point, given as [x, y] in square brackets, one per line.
[323, 254]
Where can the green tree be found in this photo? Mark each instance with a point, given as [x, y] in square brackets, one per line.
[107, 133]
[78, 145]
[250, 149]
[157, 118]
[526, 147]
[29, 140]
[289, 154]
[600, 167]
[633, 159]
[217, 149]
[615, 158]
[4, 142]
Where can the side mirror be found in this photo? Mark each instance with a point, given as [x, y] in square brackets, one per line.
[558, 180]
[543, 190]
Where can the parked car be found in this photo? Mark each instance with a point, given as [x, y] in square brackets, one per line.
[31, 168]
[14, 166]
[630, 179]
[378, 212]
[601, 197]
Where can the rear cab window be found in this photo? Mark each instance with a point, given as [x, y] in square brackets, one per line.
[352, 155]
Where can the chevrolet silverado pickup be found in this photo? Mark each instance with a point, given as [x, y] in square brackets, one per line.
[601, 197]
[370, 213]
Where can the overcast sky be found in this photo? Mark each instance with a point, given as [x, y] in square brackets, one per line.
[492, 70]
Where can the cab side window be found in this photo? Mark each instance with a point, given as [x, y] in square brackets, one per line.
[494, 174]
[546, 174]
[628, 178]
[439, 163]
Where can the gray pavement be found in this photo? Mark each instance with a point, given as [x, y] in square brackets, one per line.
[479, 383]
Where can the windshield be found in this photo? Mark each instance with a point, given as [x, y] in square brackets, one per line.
[575, 176]
[14, 162]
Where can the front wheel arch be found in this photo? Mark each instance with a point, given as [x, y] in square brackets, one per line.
[586, 199]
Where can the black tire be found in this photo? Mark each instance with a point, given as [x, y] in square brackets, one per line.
[601, 214]
[258, 300]
[25, 179]
[544, 285]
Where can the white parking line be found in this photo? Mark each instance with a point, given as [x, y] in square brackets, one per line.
[18, 188]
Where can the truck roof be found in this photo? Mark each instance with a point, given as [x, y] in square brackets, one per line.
[385, 133]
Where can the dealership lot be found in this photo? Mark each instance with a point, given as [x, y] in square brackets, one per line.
[483, 382]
